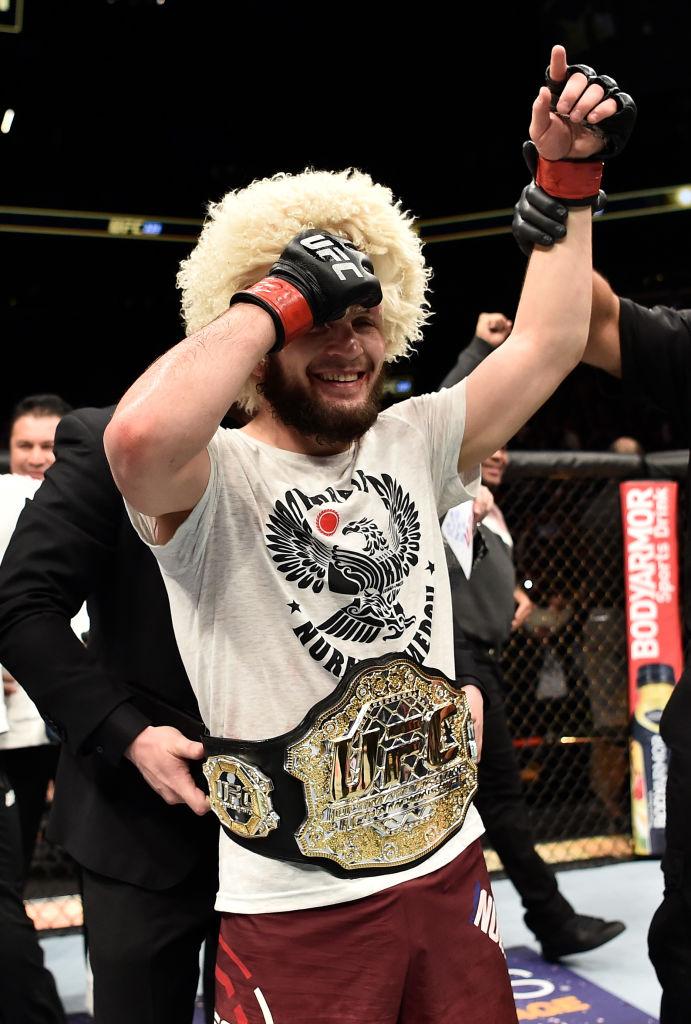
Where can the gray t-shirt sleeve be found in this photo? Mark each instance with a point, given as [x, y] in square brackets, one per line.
[184, 552]
[440, 420]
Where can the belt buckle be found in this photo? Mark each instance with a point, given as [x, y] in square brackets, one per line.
[388, 770]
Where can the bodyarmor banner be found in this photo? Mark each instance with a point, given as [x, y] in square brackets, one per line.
[651, 573]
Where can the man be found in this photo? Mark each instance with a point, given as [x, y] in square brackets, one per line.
[269, 611]
[487, 608]
[28, 988]
[650, 350]
[149, 867]
[26, 754]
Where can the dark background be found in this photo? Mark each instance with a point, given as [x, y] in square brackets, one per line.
[149, 108]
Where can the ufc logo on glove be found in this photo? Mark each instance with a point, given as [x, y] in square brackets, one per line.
[323, 248]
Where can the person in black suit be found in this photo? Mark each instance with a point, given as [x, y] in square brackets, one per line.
[125, 807]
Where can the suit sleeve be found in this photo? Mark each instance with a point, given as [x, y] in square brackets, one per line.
[59, 554]
[467, 668]
[470, 357]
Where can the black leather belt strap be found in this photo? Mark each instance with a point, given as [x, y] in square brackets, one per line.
[287, 796]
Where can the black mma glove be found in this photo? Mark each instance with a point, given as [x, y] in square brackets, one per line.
[539, 219]
[614, 130]
[577, 181]
[315, 279]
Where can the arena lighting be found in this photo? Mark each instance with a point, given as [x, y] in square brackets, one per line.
[398, 386]
[451, 228]
[7, 120]
[11, 15]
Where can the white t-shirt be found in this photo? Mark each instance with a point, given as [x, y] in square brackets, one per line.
[14, 490]
[293, 567]
[21, 724]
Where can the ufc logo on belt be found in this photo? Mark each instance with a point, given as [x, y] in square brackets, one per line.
[381, 756]
[323, 248]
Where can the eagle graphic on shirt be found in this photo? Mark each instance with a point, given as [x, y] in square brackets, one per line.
[372, 575]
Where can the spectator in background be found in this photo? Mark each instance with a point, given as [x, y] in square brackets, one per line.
[486, 609]
[27, 989]
[27, 755]
[626, 446]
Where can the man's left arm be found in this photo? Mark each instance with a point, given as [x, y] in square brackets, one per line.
[552, 320]
[490, 331]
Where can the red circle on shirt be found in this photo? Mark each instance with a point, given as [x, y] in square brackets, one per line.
[327, 521]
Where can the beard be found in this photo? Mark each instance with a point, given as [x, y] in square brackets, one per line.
[328, 424]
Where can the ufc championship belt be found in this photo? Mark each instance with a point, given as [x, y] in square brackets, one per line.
[376, 777]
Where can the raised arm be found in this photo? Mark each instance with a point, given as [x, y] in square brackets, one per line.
[551, 325]
[156, 441]
[540, 219]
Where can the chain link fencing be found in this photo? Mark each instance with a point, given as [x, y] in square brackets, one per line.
[566, 669]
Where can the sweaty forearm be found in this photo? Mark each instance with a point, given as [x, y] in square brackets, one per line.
[545, 345]
[554, 310]
[171, 412]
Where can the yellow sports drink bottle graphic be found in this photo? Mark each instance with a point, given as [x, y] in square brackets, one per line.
[653, 640]
[654, 685]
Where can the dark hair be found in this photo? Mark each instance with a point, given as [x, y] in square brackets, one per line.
[39, 405]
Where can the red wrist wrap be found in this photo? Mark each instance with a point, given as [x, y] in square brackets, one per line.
[290, 304]
[569, 179]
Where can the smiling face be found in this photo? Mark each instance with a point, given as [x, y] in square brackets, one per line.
[325, 386]
[31, 445]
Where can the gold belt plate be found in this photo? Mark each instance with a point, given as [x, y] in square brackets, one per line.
[387, 771]
[240, 796]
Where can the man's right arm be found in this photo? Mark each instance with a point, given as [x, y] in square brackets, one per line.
[156, 441]
[603, 348]
[649, 348]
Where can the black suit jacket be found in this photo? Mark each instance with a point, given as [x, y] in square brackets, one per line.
[74, 542]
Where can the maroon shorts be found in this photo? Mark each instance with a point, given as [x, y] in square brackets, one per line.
[423, 952]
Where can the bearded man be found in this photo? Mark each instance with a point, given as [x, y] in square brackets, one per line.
[307, 582]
